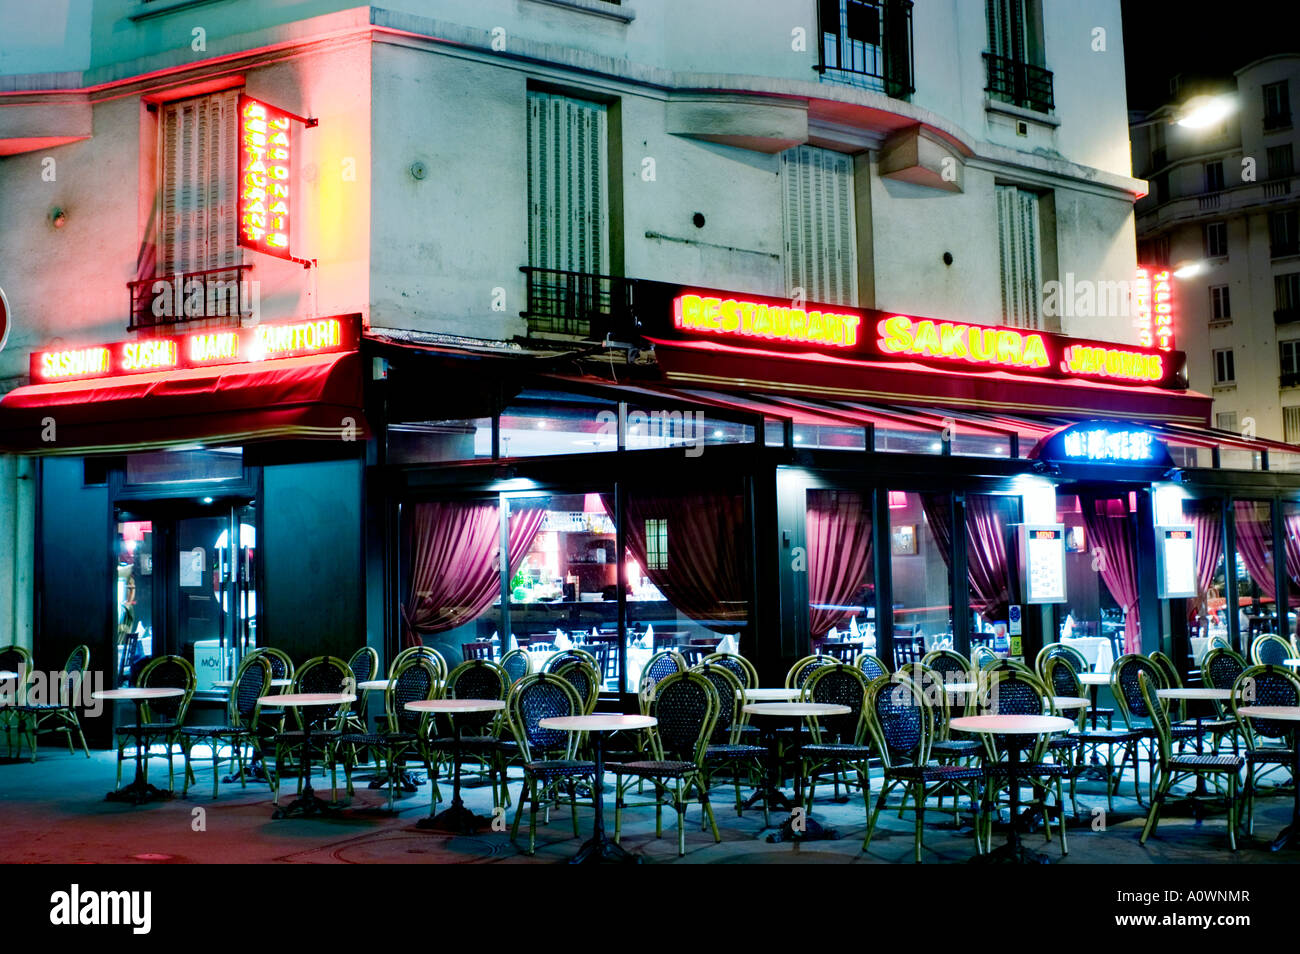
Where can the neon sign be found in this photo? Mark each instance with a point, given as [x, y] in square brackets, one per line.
[1153, 299]
[265, 157]
[760, 320]
[1103, 442]
[1113, 363]
[973, 343]
[199, 350]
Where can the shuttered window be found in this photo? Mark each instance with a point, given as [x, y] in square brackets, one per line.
[198, 169]
[1020, 256]
[1291, 425]
[568, 191]
[817, 185]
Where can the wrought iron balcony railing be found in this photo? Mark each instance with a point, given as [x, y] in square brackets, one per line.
[219, 297]
[578, 303]
[1009, 81]
[867, 42]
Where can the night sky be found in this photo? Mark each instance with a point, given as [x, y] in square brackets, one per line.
[1196, 37]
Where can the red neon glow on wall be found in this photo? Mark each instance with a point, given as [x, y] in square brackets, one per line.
[265, 157]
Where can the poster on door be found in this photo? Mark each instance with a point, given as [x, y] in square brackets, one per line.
[191, 567]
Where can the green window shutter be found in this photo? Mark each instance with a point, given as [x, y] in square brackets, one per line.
[1019, 256]
[198, 177]
[568, 192]
[820, 240]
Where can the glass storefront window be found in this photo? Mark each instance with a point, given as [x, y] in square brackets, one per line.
[841, 578]
[545, 423]
[193, 464]
[1090, 619]
[417, 442]
[920, 538]
[1205, 611]
[991, 561]
[1256, 586]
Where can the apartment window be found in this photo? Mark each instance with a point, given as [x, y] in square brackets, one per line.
[1281, 164]
[1154, 251]
[1283, 232]
[1291, 424]
[1216, 239]
[868, 42]
[1289, 357]
[656, 544]
[1214, 176]
[1277, 105]
[198, 163]
[1014, 62]
[1226, 420]
[1220, 307]
[817, 186]
[1224, 371]
[1160, 186]
[1286, 296]
[1019, 255]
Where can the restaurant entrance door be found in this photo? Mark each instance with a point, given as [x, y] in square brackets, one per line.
[186, 585]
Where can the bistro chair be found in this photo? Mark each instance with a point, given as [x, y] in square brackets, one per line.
[725, 749]
[1173, 767]
[549, 756]
[517, 664]
[365, 666]
[902, 727]
[1270, 650]
[739, 666]
[981, 653]
[950, 665]
[943, 747]
[871, 666]
[797, 677]
[252, 681]
[571, 655]
[63, 713]
[1133, 707]
[163, 718]
[1177, 708]
[480, 732]
[686, 707]
[270, 719]
[585, 679]
[322, 674]
[1265, 686]
[476, 649]
[403, 732]
[420, 650]
[1077, 660]
[837, 742]
[15, 658]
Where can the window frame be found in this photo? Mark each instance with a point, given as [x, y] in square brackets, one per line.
[1229, 365]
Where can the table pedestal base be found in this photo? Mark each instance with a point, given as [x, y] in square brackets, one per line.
[812, 831]
[600, 850]
[1012, 854]
[1289, 837]
[409, 781]
[457, 820]
[305, 806]
[137, 793]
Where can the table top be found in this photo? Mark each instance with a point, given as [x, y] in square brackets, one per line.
[308, 699]
[769, 695]
[456, 705]
[598, 722]
[1193, 693]
[1071, 702]
[1095, 678]
[140, 693]
[7, 674]
[795, 710]
[1284, 713]
[960, 687]
[381, 685]
[1011, 724]
[275, 683]
[1294, 663]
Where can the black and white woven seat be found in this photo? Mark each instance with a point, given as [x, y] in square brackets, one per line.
[1269, 686]
[652, 768]
[480, 732]
[35, 719]
[840, 744]
[1206, 761]
[937, 773]
[725, 749]
[403, 731]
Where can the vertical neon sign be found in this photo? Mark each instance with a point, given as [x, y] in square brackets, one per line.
[265, 154]
[1153, 308]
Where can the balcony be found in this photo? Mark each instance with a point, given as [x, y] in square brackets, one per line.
[867, 43]
[579, 304]
[1029, 87]
[1211, 200]
[219, 297]
[1276, 188]
[1284, 316]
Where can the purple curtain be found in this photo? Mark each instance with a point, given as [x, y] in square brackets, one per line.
[1114, 534]
[839, 554]
[1291, 530]
[455, 572]
[987, 566]
[1255, 543]
[1207, 522]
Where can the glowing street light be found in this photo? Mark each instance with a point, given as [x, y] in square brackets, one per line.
[1189, 269]
[1201, 112]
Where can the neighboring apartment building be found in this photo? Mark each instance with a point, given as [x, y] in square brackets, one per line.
[485, 174]
[1224, 201]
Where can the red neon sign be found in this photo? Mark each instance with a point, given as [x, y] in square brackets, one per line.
[265, 157]
[975, 344]
[200, 349]
[751, 319]
[1153, 305]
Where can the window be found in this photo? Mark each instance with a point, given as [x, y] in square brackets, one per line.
[1213, 176]
[1224, 372]
[1286, 296]
[868, 42]
[1281, 163]
[1291, 424]
[1220, 309]
[656, 543]
[1160, 187]
[1277, 105]
[1216, 239]
[1014, 62]
[1226, 421]
[1283, 230]
[1288, 357]
[1154, 251]
[198, 172]
[1019, 255]
[817, 186]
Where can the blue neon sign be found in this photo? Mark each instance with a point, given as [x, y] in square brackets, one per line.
[1104, 442]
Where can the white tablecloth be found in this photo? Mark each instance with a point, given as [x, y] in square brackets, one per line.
[1095, 649]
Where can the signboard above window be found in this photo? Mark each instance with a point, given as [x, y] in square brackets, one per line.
[266, 190]
[1104, 443]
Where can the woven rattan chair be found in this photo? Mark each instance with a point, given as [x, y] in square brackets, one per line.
[1218, 728]
[943, 747]
[871, 666]
[438, 661]
[517, 664]
[797, 677]
[981, 653]
[549, 756]
[948, 664]
[740, 667]
[585, 679]
[658, 667]
[1220, 668]
[327, 674]
[39, 718]
[1077, 661]
[403, 732]
[566, 656]
[1265, 686]
[837, 742]
[902, 727]
[480, 732]
[726, 750]
[1270, 650]
[1133, 708]
[252, 681]
[365, 667]
[1172, 766]
[16, 659]
[686, 707]
[163, 718]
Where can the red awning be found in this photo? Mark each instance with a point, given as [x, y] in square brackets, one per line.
[708, 364]
[317, 396]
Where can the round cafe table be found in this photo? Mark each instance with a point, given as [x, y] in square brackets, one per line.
[139, 791]
[599, 848]
[457, 818]
[1013, 851]
[769, 695]
[777, 714]
[1289, 837]
[228, 683]
[1293, 663]
[1094, 681]
[306, 804]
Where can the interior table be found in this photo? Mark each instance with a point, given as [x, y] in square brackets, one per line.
[777, 714]
[139, 791]
[1289, 837]
[1013, 851]
[457, 818]
[306, 804]
[599, 848]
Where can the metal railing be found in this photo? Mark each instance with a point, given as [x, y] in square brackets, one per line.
[578, 303]
[1020, 84]
[867, 40]
[220, 298]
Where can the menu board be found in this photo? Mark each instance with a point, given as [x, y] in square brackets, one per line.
[1042, 550]
[1176, 561]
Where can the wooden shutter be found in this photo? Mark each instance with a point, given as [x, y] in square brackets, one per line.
[820, 241]
[568, 192]
[1019, 256]
[198, 172]
[1007, 29]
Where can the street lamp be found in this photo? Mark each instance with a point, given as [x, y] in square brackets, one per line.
[1188, 269]
[1201, 112]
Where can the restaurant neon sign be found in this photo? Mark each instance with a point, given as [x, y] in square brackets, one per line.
[1103, 442]
[1153, 305]
[973, 343]
[760, 320]
[265, 177]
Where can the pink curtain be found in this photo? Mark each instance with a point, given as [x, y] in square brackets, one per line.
[455, 572]
[1207, 522]
[987, 566]
[1255, 543]
[1114, 534]
[1291, 530]
[839, 554]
